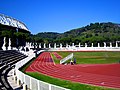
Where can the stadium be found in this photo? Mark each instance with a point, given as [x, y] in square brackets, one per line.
[57, 66]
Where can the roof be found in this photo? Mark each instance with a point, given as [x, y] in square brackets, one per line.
[6, 20]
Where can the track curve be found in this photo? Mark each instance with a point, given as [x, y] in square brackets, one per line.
[96, 74]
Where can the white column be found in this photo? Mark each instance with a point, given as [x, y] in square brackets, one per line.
[49, 45]
[54, 45]
[110, 44]
[66, 45]
[44, 45]
[116, 44]
[73, 44]
[40, 45]
[26, 44]
[30, 45]
[18, 82]
[79, 45]
[15, 78]
[92, 45]
[85, 44]
[13, 72]
[104, 44]
[4, 42]
[24, 87]
[60, 45]
[98, 44]
[9, 47]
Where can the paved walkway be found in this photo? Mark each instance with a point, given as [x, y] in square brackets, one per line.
[12, 82]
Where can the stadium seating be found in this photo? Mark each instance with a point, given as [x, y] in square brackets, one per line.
[7, 61]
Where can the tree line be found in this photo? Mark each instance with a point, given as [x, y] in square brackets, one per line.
[92, 33]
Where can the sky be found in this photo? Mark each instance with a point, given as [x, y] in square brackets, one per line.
[60, 15]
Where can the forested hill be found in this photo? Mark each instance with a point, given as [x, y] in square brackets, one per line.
[95, 32]
[49, 35]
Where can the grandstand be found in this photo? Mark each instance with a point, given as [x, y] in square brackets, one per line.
[8, 56]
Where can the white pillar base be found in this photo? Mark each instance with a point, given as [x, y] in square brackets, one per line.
[18, 82]
[3, 47]
[15, 78]
[24, 87]
[9, 48]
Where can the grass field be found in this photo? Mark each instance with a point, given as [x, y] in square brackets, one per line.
[91, 57]
[81, 58]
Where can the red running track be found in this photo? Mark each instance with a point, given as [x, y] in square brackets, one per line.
[57, 55]
[96, 74]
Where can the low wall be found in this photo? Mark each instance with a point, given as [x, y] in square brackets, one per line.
[86, 49]
[30, 82]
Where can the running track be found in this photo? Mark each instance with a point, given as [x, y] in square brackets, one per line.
[96, 74]
[57, 55]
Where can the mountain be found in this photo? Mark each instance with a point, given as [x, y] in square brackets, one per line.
[95, 32]
[49, 35]
[44, 37]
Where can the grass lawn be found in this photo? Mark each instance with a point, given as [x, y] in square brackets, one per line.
[91, 57]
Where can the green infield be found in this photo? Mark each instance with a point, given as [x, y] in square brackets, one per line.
[91, 57]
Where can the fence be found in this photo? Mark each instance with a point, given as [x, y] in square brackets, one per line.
[30, 82]
[66, 58]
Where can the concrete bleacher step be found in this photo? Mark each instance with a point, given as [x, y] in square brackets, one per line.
[12, 59]
[11, 56]
[8, 59]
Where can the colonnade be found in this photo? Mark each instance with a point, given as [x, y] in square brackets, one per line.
[30, 45]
